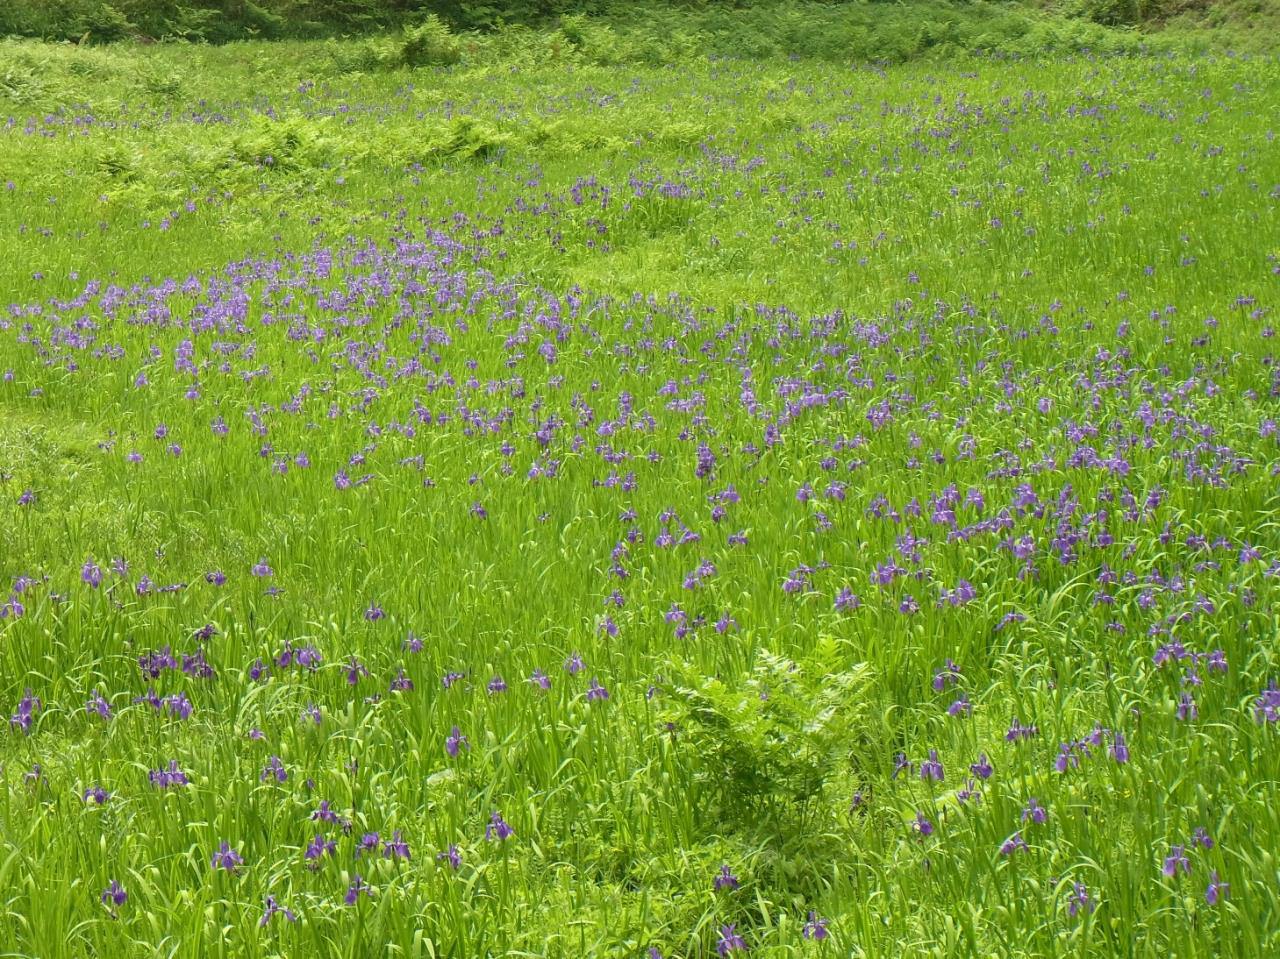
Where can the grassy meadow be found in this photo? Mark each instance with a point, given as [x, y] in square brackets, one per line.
[596, 492]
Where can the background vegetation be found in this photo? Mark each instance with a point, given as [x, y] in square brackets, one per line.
[1242, 24]
[878, 403]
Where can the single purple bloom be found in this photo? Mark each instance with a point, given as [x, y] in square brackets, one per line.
[1079, 900]
[1177, 859]
[982, 768]
[730, 941]
[324, 813]
[272, 908]
[1012, 844]
[1266, 708]
[114, 895]
[497, 685]
[96, 795]
[317, 849]
[309, 657]
[498, 828]
[355, 671]
[274, 770]
[922, 825]
[357, 888]
[931, 768]
[847, 601]
[227, 858]
[1034, 811]
[596, 692]
[395, 847]
[815, 928]
[368, 843]
[1216, 889]
[450, 855]
[960, 707]
[455, 742]
[1119, 749]
[261, 569]
[725, 879]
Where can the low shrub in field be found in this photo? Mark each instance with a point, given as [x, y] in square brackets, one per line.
[768, 747]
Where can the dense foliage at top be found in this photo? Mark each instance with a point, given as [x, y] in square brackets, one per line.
[1246, 21]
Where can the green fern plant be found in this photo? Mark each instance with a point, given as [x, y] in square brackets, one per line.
[768, 749]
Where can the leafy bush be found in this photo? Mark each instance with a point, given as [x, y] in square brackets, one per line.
[429, 44]
[768, 749]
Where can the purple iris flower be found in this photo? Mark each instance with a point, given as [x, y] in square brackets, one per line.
[227, 858]
[982, 768]
[357, 888]
[815, 928]
[114, 895]
[395, 847]
[97, 706]
[455, 742]
[28, 706]
[273, 908]
[318, 848]
[355, 671]
[167, 778]
[1187, 707]
[730, 941]
[498, 828]
[960, 707]
[1216, 889]
[931, 768]
[596, 692]
[274, 770]
[1176, 860]
[1119, 749]
[1079, 900]
[369, 842]
[324, 813]
[1012, 844]
[725, 879]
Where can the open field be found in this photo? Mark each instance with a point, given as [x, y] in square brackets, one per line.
[539, 505]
